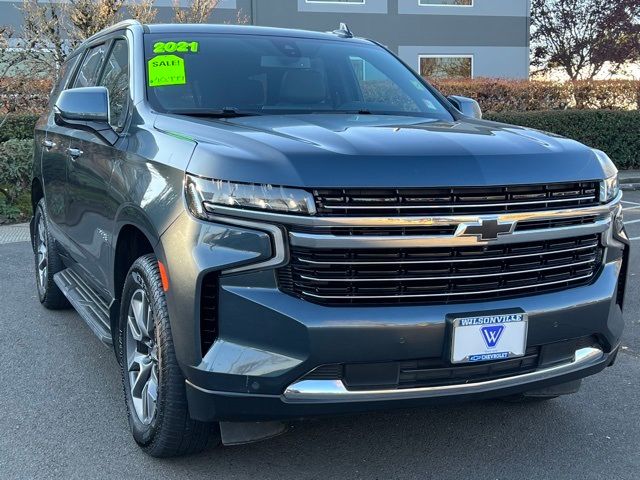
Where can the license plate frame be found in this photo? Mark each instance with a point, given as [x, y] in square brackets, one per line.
[488, 337]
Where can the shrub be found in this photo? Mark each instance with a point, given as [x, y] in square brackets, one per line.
[508, 95]
[496, 95]
[614, 132]
[612, 94]
[18, 127]
[23, 94]
[16, 158]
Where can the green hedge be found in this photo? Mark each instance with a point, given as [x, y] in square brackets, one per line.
[17, 127]
[16, 157]
[615, 132]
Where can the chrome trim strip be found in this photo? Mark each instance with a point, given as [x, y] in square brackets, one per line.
[452, 205]
[448, 260]
[452, 277]
[309, 391]
[280, 253]
[399, 221]
[436, 295]
[320, 241]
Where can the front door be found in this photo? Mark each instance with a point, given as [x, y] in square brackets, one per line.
[90, 209]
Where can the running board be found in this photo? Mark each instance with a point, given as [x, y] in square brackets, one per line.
[91, 307]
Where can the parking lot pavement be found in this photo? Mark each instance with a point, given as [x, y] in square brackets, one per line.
[62, 415]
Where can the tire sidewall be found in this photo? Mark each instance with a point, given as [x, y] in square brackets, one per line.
[138, 278]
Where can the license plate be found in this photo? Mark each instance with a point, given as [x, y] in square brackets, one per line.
[484, 338]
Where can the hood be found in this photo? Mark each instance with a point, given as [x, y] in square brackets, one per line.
[338, 150]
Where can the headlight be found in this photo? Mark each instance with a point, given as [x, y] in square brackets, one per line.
[202, 192]
[609, 187]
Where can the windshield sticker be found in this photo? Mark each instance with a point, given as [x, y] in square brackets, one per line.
[166, 70]
[180, 47]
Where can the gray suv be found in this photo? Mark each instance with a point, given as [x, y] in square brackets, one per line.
[272, 224]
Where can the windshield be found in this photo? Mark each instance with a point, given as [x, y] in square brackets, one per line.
[255, 74]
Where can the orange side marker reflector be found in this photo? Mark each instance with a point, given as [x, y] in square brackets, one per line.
[163, 276]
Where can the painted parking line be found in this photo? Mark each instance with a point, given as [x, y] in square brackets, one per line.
[635, 207]
[634, 238]
[632, 221]
[632, 203]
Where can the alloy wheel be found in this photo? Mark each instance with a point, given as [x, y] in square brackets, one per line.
[142, 357]
[42, 251]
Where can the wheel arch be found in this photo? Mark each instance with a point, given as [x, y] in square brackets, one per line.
[132, 240]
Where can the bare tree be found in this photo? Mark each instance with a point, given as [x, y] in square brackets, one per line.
[90, 16]
[198, 11]
[143, 11]
[581, 36]
[43, 44]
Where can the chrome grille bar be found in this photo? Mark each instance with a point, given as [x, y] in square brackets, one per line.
[440, 295]
[451, 277]
[459, 205]
[324, 241]
[447, 260]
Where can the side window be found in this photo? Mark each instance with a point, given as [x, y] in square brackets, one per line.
[63, 77]
[115, 78]
[88, 73]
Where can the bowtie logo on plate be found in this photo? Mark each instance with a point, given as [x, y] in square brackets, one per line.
[492, 334]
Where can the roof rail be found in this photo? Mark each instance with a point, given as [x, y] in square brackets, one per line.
[117, 26]
[342, 31]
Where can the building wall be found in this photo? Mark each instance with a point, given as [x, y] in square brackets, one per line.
[494, 33]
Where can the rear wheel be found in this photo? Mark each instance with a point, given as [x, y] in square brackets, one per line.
[154, 386]
[47, 261]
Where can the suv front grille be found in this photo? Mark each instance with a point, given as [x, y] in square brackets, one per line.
[456, 200]
[439, 275]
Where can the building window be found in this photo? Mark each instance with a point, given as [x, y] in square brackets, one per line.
[446, 66]
[378, 88]
[445, 3]
[360, 2]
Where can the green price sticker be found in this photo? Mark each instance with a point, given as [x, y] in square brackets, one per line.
[180, 47]
[166, 70]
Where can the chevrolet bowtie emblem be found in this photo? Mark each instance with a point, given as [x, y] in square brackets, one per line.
[486, 229]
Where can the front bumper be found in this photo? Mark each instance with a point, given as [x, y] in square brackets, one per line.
[330, 398]
[268, 340]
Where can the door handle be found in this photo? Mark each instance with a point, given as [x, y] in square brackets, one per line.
[48, 144]
[74, 152]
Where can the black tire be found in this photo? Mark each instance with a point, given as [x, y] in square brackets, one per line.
[48, 292]
[169, 431]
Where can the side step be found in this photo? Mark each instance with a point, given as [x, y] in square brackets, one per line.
[91, 307]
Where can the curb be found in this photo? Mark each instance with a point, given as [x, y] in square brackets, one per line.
[630, 186]
[14, 233]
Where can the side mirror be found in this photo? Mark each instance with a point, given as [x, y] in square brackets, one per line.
[467, 106]
[86, 104]
[86, 108]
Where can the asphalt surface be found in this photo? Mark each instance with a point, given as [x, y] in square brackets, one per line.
[62, 414]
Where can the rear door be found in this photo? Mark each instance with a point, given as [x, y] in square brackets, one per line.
[91, 159]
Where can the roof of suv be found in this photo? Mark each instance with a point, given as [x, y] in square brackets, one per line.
[242, 30]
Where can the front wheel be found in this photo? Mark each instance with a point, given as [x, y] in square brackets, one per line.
[154, 387]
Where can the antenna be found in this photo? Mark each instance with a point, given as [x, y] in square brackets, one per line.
[342, 31]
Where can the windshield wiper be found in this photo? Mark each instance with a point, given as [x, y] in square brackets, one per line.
[227, 112]
[346, 112]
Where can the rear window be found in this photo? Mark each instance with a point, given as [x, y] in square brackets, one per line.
[271, 74]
